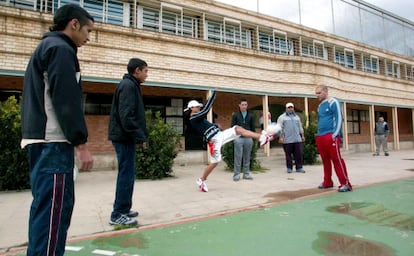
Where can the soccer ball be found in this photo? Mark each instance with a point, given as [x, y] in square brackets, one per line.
[274, 128]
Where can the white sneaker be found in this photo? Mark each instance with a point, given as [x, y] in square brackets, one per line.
[263, 138]
[202, 185]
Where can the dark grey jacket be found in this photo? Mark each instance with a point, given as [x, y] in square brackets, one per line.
[127, 120]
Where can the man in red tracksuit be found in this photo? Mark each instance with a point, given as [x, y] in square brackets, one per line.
[328, 140]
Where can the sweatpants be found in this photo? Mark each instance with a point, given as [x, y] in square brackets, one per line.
[330, 153]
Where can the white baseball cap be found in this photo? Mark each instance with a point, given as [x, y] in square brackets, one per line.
[290, 104]
[193, 103]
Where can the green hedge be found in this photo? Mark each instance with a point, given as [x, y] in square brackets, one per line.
[310, 151]
[228, 157]
[14, 166]
[156, 161]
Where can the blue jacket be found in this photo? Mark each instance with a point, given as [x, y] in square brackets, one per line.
[329, 117]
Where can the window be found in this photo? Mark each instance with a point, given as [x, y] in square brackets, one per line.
[5, 94]
[280, 42]
[174, 115]
[24, 4]
[109, 11]
[232, 31]
[345, 58]
[171, 22]
[229, 32]
[307, 49]
[353, 121]
[319, 49]
[115, 11]
[214, 32]
[274, 43]
[171, 109]
[174, 21]
[148, 18]
[410, 72]
[169, 19]
[340, 58]
[265, 42]
[393, 69]
[98, 104]
[371, 64]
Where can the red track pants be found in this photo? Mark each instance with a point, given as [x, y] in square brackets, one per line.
[330, 153]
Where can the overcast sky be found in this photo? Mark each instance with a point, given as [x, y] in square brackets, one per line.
[403, 8]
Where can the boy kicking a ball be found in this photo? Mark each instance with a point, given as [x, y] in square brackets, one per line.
[215, 137]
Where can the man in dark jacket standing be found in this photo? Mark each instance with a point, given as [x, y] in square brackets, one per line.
[243, 145]
[54, 127]
[127, 128]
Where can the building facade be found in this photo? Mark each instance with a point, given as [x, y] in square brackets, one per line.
[196, 46]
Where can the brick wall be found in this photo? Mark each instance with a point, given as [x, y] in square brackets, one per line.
[185, 67]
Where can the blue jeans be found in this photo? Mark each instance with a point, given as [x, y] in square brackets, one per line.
[125, 153]
[242, 152]
[51, 179]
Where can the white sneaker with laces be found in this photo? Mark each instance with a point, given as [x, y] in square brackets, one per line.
[263, 138]
[202, 185]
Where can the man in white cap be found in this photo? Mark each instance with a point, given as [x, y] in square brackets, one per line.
[292, 137]
[214, 136]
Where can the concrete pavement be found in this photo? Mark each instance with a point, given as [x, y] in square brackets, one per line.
[177, 199]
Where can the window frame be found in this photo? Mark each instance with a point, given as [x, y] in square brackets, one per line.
[371, 68]
[392, 69]
[319, 47]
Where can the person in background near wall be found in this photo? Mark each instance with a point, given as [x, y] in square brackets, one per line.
[381, 131]
[54, 128]
[215, 137]
[328, 140]
[261, 119]
[127, 129]
[292, 137]
[243, 145]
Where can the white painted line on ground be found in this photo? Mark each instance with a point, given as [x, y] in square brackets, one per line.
[103, 252]
[73, 248]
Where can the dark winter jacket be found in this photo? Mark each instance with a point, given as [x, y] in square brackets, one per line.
[127, 120]
[247, 123]
[52, 107]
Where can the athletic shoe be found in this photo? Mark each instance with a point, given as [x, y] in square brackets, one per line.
[289, 170]
[301, 170]
[123, 220]
[247, 177]
[202, 185]
[323, 187]
[265, 138]
[132, 214]
[344, 188]
[236, 177]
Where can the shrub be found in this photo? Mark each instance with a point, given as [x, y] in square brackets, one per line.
[156, 161]
[310, 151]
[228, 157]
[14, 166]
